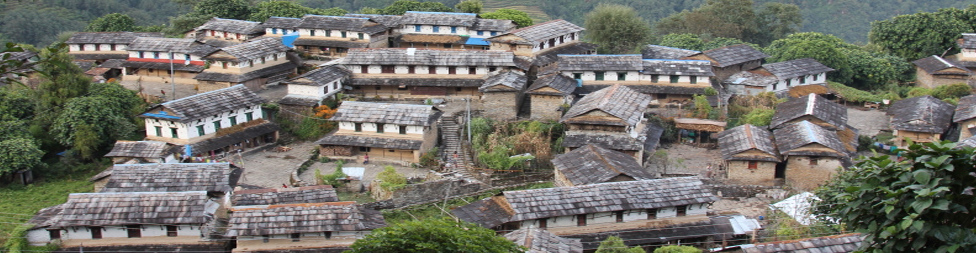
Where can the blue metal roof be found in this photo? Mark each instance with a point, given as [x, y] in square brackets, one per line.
[161, 114]
[477, 42]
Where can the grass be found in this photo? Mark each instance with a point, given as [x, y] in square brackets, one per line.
[360, 198]
[18, 203]
[439, 210]
[530, 7]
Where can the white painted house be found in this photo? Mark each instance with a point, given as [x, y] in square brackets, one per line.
[532, 40]
[311, 88]
[103, 45]
[392, 132]
[806, 71]
[323, 226]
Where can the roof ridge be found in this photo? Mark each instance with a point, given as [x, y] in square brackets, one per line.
[748, 130]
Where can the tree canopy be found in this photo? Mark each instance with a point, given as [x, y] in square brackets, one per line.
[115, 22]
[230, 9]
[520, 18]
[853, 65]
[617, 29]
[470, 6]
[265, 10]
[614, 244]
[434, 235]
[735, 19]
[402, 6]
[694, 42]
[921, 203]
[919, 35]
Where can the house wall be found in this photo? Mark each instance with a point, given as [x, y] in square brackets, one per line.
[385, 91]
[786, 84]
[427, 134]
[560, 180]
[188, 132]
[918, 137]
[277, 32]
[421, 70]
[306, 241]
[501, 105]
[247, 66]
[159, 76]
[546, 107]
[101, 48]
[964, 128]
[555, 41]
[178, 58]
[745, 89]
[968, 53]
[763, 174]
[315, 91]
[804, 176]
[429, 29]
[151, 234]
[603, 218]
[323, 33]
[924, 79]
[726, 72]
[224, 35]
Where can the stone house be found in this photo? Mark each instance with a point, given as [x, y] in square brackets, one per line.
[309, 89]
[967, 55]
[538, 240]
[231, 30]
[666, 80]
[550, 95]
[418, 29]
[422, 73]
[537, 47]
[834, 243]
[593, 164]
[612, 117]
[254, 64]
[750, 155]
[280, 196]
[584, 211]
[729, 60]
[664, 52]
[101, 46]
[386, 132]
[212, 123]
[130, 221]
[750, 83]
[799, 72]
[934, 71]
[965, 116]
[142, 152]
[279, 26]
[920, 119]
[333, 36]
[502, 95]
[813, 108]
[322, 227]
[812, 153]
[217, 179]
[152, 60]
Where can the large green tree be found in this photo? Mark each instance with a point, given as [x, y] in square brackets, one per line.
[735, 19]
[434, 235]
[922, 202]
[617, 29]
[89, 123]
[402, 6]
[694, 42]
[232, 9]
[520, 18]
[265, 10]
[115, 22]
[614, 244]
[470, 6]
[821, 47]
[775, 21]
[919, 35]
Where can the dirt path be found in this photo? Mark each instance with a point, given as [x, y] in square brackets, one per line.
[271, 169]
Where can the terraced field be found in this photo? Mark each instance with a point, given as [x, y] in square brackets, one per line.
[530, 7]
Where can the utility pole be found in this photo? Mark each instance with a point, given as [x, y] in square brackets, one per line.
[172, 79]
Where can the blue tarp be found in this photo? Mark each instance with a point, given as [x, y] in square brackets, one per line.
[477, 42]
[289, 39]
[161, 114]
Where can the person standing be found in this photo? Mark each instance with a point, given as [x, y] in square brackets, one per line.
[366, 159]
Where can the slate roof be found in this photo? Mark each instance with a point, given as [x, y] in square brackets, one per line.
[660, 235]
[356, 24]
[385, 20]
[19, 56]
[131, 208]
[369, 141]
[294, 195]
[47, 216]
[282, 22]
[968, 41]
[400, 114]
[921, 114]
[593, 164]
[542, 31]
[439, 18]
[210, 103]
[428, 57]
[264, 127]
[321, 76]
[615, 141]
[498, 25]
[279, 69]
[163, 65]
[300, 100]
[934, 65]
[538, 240]
[252, 50]
[677, 67]
[664, 52]
[552, 55]
[619, 101]
[511, 79]
[173, 177]
[810, 105]
[966, 109]
[600, 62]
[744, 138]
[795, 135]
[112, 63]
[735, 54]
[968, 142]
[183, 46]
[232, 25]
[795, 68]
[832, 244]
[606, 197]
[750, 78]
[302, 218]
[411, 82]
[646, 89]
[108, 37]
[141, 149]
[564, 84]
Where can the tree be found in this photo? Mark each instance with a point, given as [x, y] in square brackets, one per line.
[821, 47]
[18, 154]
[115, 22]
[185, 23]
[922, 203]
[288, 9]
[617, 29]
[702, 108]
[434, 235]
[469, 6]
[402, 6]
[520, 18]
[677, 249]
[719, 18]
[89, 123]
[614, 244]
[919, 35]
[232, 9]
[758, 117]
[683, 40]
[334, 11]
[776, 21]
[391, 179]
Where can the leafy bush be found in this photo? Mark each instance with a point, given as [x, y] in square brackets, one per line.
[429, 159]
[614, 244]
[956, 90]
[758, 117]
[333, 179]
[677, 249]
[391, 179]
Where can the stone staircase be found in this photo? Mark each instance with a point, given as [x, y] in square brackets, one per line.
[452, 142]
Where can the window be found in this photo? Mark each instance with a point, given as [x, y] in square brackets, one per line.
[296, 237]
[159, 131]
[416, 28]
[249, 116]
[788, 82]
[213, 33]
[274, 30]
[387, 69]
[378, 87]
[492, 69]
[171, 231]
[111, 47]
[133, 231]
[481, 33]
[391, 150]
[543, 223]
[458, 89]
[200, 131]
[364, 69]
[216, 125]
[223, 64]
[379, 128]
[410, 69]
[454, 29]
[599, 75]
[621, 76]
[54, 234]
[674, 79]
[274, 57]
[814, 160]
[654, 78]
[358, 127]
[96, 232]
[472, 70]
[233, 120]
[155, 55]
[328, 234]
[815, 77]
[98, 47]
[312, 32]
[451, 70]
[682, 211]
[431, 70]
[186, 57]
[365, 149]
[250, 62]
[448, 45]
[403, 129]
[577, 76]
[265, 238]
[651, 214]
[342, 34]
[360, 35]
[494, 33]
[581, 220]
[620, 216]
[562, 39]
[173, 131]
[437, 28]
[802, 79]
[753, 165]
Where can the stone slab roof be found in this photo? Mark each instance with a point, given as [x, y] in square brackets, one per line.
[172, 177]
[512, 80]
[552, 55]
[498, 25]
[968, 142]
[428, 57]
[47, 217]
[20, 56]
[539, 240]
[833, 244]
[966, 109]
[141, 149]
[369, 141]
[792, 136]
[751, 78]
[921, 114]
[300, 100]
[418, 82]
[593, 164]
[282, 22]
[616, 141]
[260, 128]
[564, 84]
[585, 199]
[400, 114]
[744, 138]
[617, 100]
[112, 64]
[677, 67]
[627, 62]
[321, 76]
[935, 65]
[210, 103]
[252, 50]
[439, 18]
[280, 69]
[810, 105]
[302, 218]
[163, 66]
[968, 41]
[294, 195]
[385, 20]
[663, 52]
[647, 89]
[356, 24]
[735, 54]
[542, 31]
[183, 46]
[132, 208]
[108, 37]
[232, 25]
[796, 68]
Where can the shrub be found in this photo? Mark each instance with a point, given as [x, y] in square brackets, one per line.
[677, 249]
[391, 179]
[333, 179]
[429, 159]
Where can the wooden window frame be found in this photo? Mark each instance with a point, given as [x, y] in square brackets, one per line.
[814, 160]
[96, 232]
[581, 220]
[133, 231]
[54, 234]
[651, 214]
[379, 128]
[403, 129]
[296, 237]
[172, 231]
[619, 215]
[358, 127]
[753, 165]
[681, 211]
[543, 223]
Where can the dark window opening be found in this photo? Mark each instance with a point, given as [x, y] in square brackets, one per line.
[814, 160]
[365, 149]
[682, 211]
[620, 216]
[233, 120]
[360, 35]
[328, 234]
[674, 79]
[96, 232]
[296, 237]
[803, 79]
[654, 78]
[410, 69]
[359, 127]
[451, 70]
[492, 69]
[431, 70]
[621, 76]
[599, 75]
[694, 79]
[472, 70]
[379, 127]
[403, 129]
[581, 220]
[159, 131]
[543, 223]
[200, 131]
[134, 231]
[651, 214]
[577, 76]
[364, 69]
[54, 234]
[249, 116]
[342, 34]
[753, 165]
[458, 89]
[378, 88]
[815, 77]
[387, 69]
[265, 238]
[171, 231]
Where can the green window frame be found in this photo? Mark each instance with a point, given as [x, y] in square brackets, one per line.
[249, 116]
[694, 79]
[674, 79]
[599, 75]
[233, 120]
[174, 132]
[200, 131]
[159, 131]
[343, 34]
[621, 76]
[361, 36]
[216, 125]
[379, 128]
